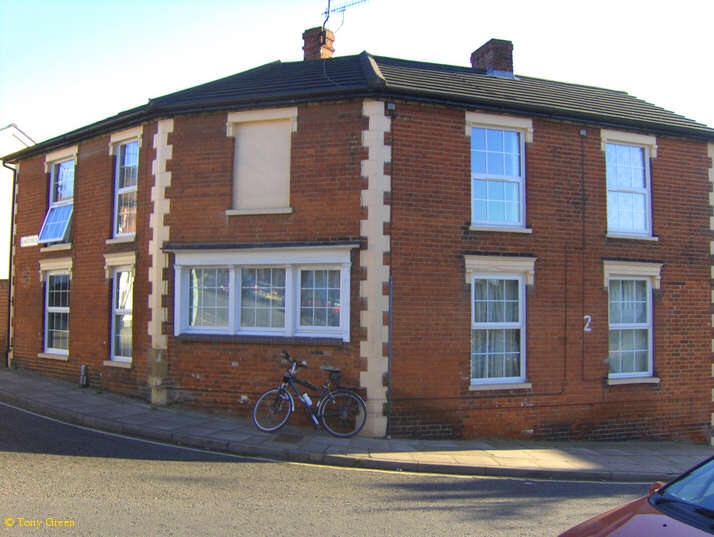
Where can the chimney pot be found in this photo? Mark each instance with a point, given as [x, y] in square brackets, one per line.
[318, 43]
[495, 56]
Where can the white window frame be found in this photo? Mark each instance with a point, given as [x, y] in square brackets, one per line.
[292, 260]
[634, 326]
[52, 162]
[115, 311]
[55, 309]
[524, 128]
[121, 146]
[185, 281]
[344, 284]
[634, 270]
[520, 325]
[502, 267]
[648, 145]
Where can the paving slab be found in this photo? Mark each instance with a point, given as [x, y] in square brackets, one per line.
[642, 461]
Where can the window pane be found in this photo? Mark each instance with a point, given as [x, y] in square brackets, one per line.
[628, 190]
[123, 290]
[495, 164]
[511, 144]
[58, 331]
[58, 291]
[127, 165]
[63, 181]
[126, 212]
[478, 162]
[478, 138]
[122, 335]
[208, 297]
[320, 298]
[496, 201]
[629, 348]
[263, 298]
[494, 140]
[495, 354]
[56, 224]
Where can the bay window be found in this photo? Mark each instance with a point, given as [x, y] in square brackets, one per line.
[292, 292]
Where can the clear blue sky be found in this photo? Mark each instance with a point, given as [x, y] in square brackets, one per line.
[66, 64]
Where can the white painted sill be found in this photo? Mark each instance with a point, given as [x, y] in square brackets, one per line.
[632, 237]
[248, 212]
[56, 248]
[526, 230]
[117, 363]
[121, 239]
[633, 380]
[493, 387]
[54, 356]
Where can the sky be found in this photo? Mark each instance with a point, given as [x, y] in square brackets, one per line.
[65, 64]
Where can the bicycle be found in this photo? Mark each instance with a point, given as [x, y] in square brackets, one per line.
[340, 411]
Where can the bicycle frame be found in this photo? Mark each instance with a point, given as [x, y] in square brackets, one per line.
[339, 410]
[290, 380]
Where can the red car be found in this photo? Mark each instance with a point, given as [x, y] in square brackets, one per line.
[682, 508]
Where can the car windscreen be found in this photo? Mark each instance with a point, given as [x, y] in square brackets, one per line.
[690, 498]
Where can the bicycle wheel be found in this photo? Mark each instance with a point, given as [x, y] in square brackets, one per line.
[342, 413]
[272, 410]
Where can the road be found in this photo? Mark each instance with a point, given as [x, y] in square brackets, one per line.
[57, 479]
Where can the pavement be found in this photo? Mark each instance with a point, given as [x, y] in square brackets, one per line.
[627, 461]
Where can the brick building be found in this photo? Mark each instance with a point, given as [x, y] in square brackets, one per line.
[484, 254]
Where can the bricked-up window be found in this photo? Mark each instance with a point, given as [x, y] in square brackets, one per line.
[497, 329]
[497, 177]
[628, 189]
[125, 182]
[279, 292]
[261, 162]
[56, 225]
[57, 313]
[630, 318]
[122, 312]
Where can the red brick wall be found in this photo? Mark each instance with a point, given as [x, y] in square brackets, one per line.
[430, 202]
[90, 294]
[566, 210]
[325, 188]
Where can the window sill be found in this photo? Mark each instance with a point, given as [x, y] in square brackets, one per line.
[492, 387]
[248, 212]
[632, 237]
[496, 229]
[117, 364]
[633, 380]
[267, 340]
[56, 248]
[54, 356]
[121, 239]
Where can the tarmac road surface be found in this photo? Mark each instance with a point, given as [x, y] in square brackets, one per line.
[59, 479]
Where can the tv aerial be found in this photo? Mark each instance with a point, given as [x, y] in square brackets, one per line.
[339, 7]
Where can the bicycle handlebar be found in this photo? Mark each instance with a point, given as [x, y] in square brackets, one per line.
[291, 361]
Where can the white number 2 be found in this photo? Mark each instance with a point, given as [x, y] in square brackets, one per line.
[588, 322]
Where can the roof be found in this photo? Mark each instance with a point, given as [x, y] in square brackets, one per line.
[365, 75]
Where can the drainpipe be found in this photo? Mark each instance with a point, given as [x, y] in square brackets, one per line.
[9, 270]
[389, 363]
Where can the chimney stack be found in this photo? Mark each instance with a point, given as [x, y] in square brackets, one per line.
[495, 57]
[318, 43]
